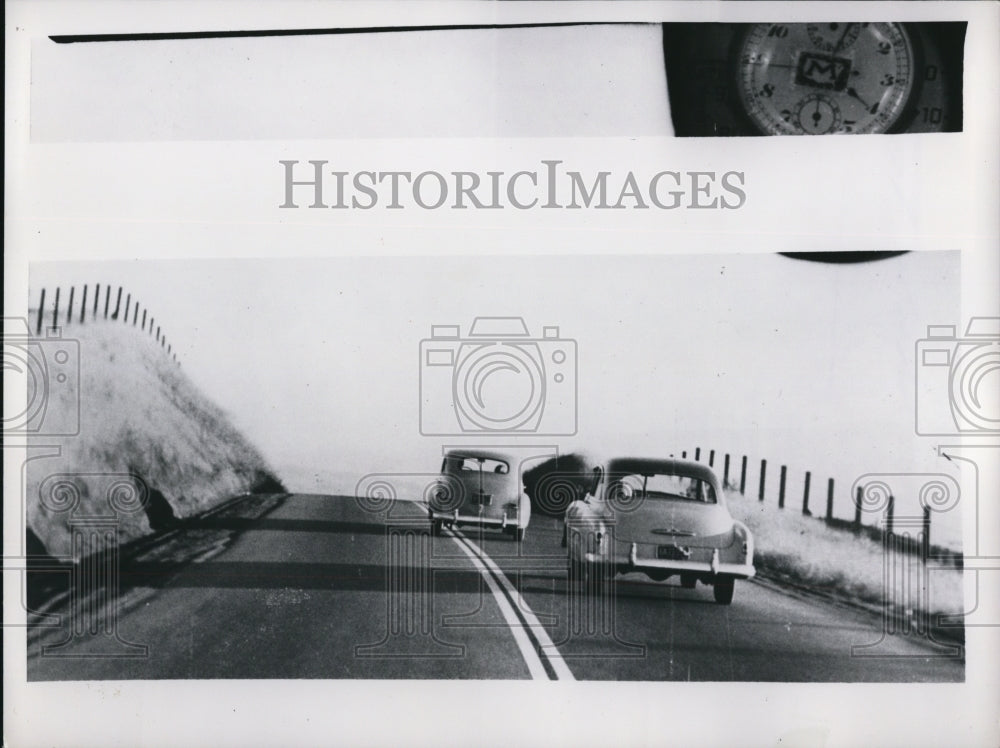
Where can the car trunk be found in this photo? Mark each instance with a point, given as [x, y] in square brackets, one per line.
[658, 521]
[485, 490]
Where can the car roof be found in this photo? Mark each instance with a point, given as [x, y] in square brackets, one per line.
[484, 453]
[669, 466]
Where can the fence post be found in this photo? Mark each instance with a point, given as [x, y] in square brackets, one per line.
[889, 512]
[711, 458]
[763, 475]
[805, 495]
[725, 470]
[41, 313]
[128, 300]
[781, 487]
[144, 320]
[55, 310]
[157, 333]
[118, 304]
[69, 306]
[829, 499]
[857, 508]
[743, 475]
[697, 453]
[107, 300]
[97, 299]
[684, 455]
[927, 533]
[83, 304]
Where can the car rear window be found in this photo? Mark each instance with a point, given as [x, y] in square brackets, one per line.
[475, 464]
[661, 486]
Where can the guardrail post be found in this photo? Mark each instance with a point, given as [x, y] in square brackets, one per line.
[83, 304]
[135, 314]
[128, 300]
[857, 507]
[890, 511]
[697, 453]
[41, 313]
[781, 487]
[725, 470]
[55, 311]
[144, 320]
[743, 475]
[711, 458]
[763, 476]
[97, 299]
[829, 499]
[69, 306]
[684, 455]
[118, 304]
[805, 496]
[157, 333]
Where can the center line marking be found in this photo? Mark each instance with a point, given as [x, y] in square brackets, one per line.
[521, 621]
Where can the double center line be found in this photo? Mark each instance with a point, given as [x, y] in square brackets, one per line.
[540, 654]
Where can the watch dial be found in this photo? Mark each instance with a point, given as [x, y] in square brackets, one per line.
[824, 78]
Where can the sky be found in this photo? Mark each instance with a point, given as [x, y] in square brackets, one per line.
[318, 360]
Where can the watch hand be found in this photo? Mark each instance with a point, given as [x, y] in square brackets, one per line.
[854, 94]
[847, 27]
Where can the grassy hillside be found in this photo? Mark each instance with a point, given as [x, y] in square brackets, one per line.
[140, 416]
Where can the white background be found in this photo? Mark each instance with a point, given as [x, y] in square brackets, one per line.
[92, 175]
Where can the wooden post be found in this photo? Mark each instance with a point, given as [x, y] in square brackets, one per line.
[725, 470]
[711, 458]
[41, 313]
[697, 453]
[763, 475]
[743, 475]
[55, 311]
[97, 299]
[684, 455]
[157, 333]
[144, 320]
[889, 512]
[781, 487]
[135, 315]
[118, 304]
[927, 532]
[128, 300]
[805, 495]
[829, 499]
[107, 300]
[83, 304]
[69, 307]
[857, 507]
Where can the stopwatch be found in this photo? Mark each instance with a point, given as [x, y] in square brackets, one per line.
[825, 78]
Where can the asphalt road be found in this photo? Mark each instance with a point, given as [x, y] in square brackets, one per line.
[314, 586]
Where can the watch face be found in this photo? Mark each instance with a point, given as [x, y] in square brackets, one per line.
[825, 78]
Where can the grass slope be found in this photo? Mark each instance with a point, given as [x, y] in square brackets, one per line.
[139, 415]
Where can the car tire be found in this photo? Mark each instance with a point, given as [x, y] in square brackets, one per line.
[688, 581]
[723, 591]
[436, 526]
[518, 533]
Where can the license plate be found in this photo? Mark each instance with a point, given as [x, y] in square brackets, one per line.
[672, 553]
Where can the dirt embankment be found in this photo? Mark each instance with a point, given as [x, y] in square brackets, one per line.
[150, 449]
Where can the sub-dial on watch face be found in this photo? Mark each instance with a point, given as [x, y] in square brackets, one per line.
[825, 78]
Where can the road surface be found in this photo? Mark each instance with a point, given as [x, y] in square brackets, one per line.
[314, 586]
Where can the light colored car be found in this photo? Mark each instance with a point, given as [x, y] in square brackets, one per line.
[478, 487]
[662, 517]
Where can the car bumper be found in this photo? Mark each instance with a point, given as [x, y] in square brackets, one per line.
[455, 518]
[714, 568]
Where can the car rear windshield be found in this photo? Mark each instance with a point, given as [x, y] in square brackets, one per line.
[633, 486]
[458, 463]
